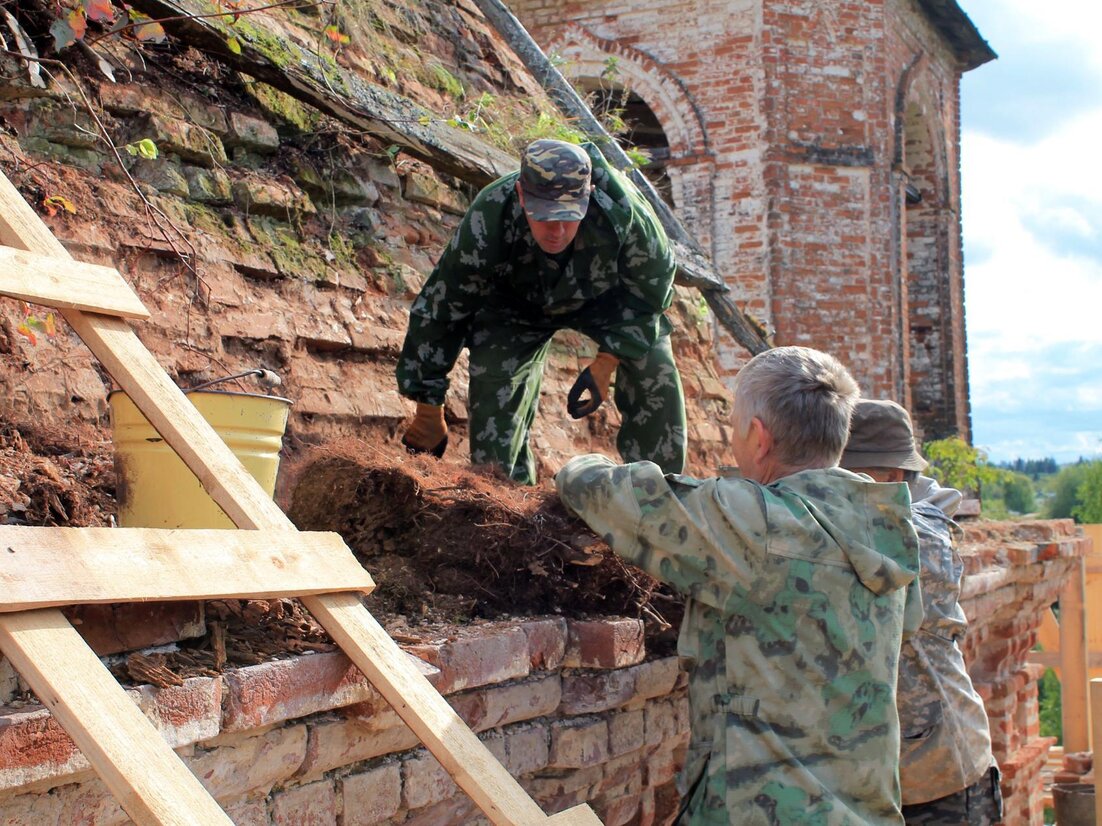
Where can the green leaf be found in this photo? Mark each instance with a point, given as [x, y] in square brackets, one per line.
[145, 148]
[234, 45]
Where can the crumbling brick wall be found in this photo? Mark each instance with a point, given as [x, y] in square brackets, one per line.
[1013, 574]
[575, 709]
[571, 708]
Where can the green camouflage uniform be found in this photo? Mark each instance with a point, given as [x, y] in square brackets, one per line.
[946, 741]
[799, 592]
[496, 292]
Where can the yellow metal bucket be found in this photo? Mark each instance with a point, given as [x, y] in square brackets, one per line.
[154, 487]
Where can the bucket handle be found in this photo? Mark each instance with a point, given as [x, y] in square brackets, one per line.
[267, 378]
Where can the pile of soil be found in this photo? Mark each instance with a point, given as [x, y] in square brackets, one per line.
[56, 476]
[445, 545]
[454, 543]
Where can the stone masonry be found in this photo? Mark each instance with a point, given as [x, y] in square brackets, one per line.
[575, 709]
[813, 148]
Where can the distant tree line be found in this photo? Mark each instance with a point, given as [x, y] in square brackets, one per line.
[1033, 468]
[1038, 487]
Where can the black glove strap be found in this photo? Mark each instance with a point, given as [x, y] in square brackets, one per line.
[575, 406]
[437, 451]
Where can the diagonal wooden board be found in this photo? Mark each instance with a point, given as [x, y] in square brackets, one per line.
[133, 367]
[46, 567]
[146, 777]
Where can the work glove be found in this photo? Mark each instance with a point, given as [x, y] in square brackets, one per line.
[595, 378]
[427, 433]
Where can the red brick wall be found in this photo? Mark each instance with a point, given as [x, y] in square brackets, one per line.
[572, 709]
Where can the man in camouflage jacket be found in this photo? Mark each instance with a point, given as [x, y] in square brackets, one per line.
[566, 242]
[800, 577]
[946, 767]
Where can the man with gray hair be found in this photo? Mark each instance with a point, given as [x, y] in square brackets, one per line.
[946, 767]
[800, 578]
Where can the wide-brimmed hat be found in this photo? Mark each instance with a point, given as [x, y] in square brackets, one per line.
[555, 178]
[880, 436]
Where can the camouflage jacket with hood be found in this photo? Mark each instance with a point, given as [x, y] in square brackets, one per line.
[946, 739]
[614, 282]
[799, 592]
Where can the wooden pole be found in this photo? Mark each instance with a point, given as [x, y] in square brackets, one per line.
[1096, 713]
[1073, 657]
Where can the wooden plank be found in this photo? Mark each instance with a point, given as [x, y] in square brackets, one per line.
[42, 567]
[578, 816]
[65, 283]
[143, 773]
[1096, 744]
[1073, 657]
[460, 752]
[245, 502]
[1051, 659]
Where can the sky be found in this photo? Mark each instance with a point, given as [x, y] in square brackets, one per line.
[1031, 179]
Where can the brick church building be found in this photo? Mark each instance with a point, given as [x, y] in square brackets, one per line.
[812, 146]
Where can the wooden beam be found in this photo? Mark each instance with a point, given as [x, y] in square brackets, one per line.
[1051, 659]
[111, 340]
[65, 283]
[578, 816]
[41, 567]
[1073, 659]
[323, 84]
[146, 777]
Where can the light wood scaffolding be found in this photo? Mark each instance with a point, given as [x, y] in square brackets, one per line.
[267, 557]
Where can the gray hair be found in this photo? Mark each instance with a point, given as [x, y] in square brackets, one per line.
[804, 397]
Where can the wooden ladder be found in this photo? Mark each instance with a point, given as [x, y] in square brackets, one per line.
[41, 568]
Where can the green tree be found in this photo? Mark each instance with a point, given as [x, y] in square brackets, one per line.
[1088, 494]
[1048, 697]
[956, 464]
[1017, 493]
[1065, 491]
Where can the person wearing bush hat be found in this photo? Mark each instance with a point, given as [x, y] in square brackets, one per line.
[566, 242]
[947, 771]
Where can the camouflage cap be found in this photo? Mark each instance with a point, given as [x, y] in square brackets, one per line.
[555, 179]
[880, 436]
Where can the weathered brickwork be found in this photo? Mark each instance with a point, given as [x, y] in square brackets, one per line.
[307, 247]
[795, 129]
[574, 710]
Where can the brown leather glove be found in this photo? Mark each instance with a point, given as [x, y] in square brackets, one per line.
[595, 378]
[427, 433]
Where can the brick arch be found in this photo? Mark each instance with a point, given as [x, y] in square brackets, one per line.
[662, 91]
[918, 124]
[932, 285]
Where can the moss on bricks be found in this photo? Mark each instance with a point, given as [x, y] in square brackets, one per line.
[292, 257]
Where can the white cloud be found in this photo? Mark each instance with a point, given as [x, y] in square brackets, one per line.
[1015, 23]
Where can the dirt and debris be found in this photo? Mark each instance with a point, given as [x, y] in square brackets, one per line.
[56, 476]
[455, 543]
[446, 546]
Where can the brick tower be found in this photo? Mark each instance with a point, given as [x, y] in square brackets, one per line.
[813, 148]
